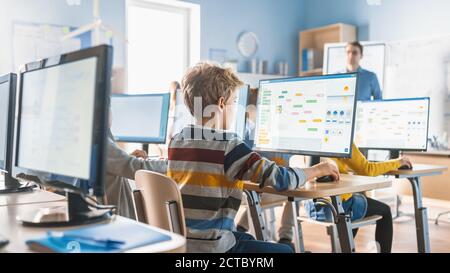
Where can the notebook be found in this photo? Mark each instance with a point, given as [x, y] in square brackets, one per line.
[123, 233]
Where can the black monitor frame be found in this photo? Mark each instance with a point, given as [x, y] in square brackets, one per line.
[103, 54]
[11, 81]
[79, 209]
[312, 153]
[11, 185]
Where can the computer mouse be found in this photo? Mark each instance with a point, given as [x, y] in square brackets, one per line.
[324, 179]
[405, 167]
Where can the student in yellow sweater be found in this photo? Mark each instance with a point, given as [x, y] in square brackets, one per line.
[357, 205]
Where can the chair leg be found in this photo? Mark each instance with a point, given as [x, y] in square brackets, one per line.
[272, 224]
[269, 220]
[440, 215]
[335, 245]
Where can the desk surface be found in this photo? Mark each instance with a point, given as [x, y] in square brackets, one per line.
[18, 234]
[347, 184]
[33, 197]
[420, 169]
[430, 153]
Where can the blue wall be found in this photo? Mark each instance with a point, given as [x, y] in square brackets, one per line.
[390, 21]
[56, 12]
[276, 22]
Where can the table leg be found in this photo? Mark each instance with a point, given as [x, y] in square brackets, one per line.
[421, 217]
[256, 213]
[298, 233]
[344, 227]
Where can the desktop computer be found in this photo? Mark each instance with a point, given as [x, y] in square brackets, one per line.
[307, 115]
[7, 117]
[62, 131]
[140, 118]
[395, 125]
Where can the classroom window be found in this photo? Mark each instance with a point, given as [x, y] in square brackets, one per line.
[164, 40]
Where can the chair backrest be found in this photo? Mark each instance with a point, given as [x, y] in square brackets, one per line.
[158, 202]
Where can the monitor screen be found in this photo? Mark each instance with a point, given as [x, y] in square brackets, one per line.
[308, 116]
[183, 116]
[4, 114]
[56, 118]
[140, 118]
[398, 124]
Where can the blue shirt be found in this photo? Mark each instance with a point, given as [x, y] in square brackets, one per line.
[367, 86]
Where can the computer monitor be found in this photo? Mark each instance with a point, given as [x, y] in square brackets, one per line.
[7, 93]
[62, 126]
[183, 116]
[307, 115]
[140, 118]
[7, 116]
[395, 124]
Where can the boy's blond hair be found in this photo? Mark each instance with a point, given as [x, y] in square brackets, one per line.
[210, 82]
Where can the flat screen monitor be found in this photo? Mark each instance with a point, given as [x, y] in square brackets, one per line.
[396, 124]
[62, 117]
[307, 115]
[140, 118]
[7, 103]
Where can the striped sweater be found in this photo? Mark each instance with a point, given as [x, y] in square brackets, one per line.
[209, 167]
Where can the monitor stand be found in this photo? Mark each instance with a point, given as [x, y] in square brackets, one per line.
[76, 213]
[12, 185]
[394, 154]
[145, 147]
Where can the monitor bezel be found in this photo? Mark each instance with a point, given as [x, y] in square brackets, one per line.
[104, 56]
[11, 80]
[401, 149]
[305, 152]
[164, 117]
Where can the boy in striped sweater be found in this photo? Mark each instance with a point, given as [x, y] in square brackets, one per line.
[209, 164]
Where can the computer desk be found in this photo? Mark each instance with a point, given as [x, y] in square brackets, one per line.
[420, 212]
[312, 190]
[32, 197]
[17, 234]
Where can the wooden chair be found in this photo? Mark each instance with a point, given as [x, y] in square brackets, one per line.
[158, 202]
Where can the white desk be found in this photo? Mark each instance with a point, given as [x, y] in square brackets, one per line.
[18, 234]
[33, 197]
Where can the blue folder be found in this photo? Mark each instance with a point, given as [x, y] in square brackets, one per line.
[117, 236]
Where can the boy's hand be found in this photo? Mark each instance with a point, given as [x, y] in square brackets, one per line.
[404, 161]
[322, 169]
[139, 154]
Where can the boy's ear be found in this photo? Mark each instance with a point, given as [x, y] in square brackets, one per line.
[221, 103]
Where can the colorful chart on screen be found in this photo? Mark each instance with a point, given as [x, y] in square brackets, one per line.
[310, 116]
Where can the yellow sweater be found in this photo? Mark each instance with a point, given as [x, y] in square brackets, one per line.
[359, 165]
